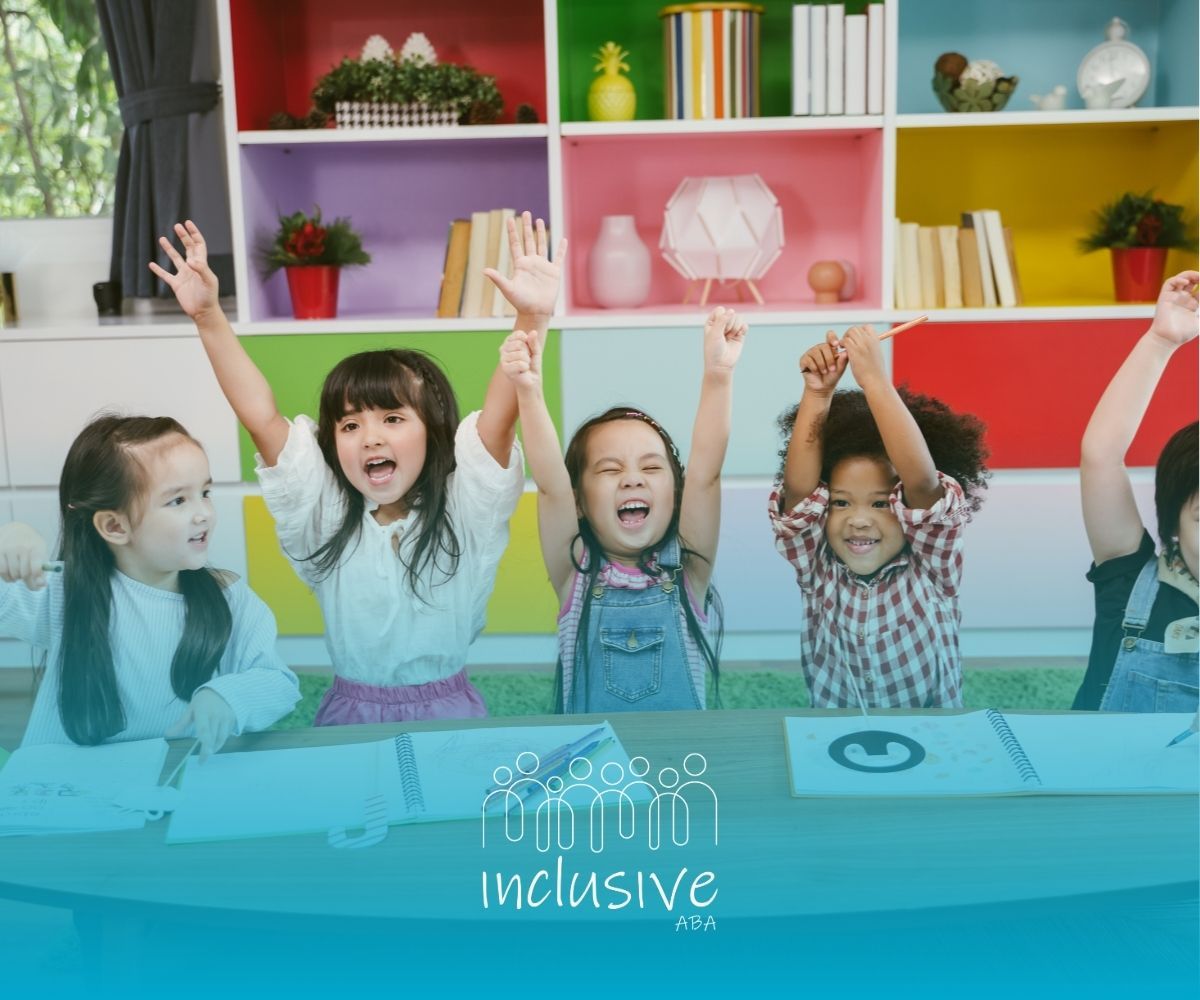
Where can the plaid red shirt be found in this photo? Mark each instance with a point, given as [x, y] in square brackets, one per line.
[897, 632]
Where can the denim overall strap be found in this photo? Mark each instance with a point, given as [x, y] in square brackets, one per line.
[1146, 678]
[637, 658]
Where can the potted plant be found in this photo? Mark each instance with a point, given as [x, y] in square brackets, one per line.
[382, 89]
[1139, 229]
[313, 253]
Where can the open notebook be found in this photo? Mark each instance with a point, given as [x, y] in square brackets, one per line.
[990, 753]
[420, 777]
[63, 788]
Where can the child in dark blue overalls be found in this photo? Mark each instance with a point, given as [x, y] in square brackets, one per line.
[628, 542]
[1145, 653]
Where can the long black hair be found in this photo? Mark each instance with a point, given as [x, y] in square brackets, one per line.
[593, 557]
[106, 470]
[387, 380]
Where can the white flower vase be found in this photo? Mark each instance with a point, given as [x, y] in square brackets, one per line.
[619, 265]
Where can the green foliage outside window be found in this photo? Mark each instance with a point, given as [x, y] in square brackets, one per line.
[60, 130]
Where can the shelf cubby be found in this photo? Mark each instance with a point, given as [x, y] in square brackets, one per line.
[829, 186]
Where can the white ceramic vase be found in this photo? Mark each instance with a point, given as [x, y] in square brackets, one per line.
[619, 265]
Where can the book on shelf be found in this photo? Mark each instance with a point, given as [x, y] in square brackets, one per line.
[856, 64]
[974, 220]
[816, 61]
[910, 271]
[968, 260]
[454, 269]
[929, 261]
[500, 305]
[947, 239]
[835, 58]
[1006, 294]
[491, 259]
[800, 55]
[875, 59]
[472, 300]
[1012, 265]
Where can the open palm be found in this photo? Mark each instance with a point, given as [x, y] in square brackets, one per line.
[1175, 316]
[533, 287]
[194, 283]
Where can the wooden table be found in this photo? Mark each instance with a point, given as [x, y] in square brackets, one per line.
[778, 858]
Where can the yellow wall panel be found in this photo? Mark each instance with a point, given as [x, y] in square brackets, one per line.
[523, 601]
[1046, 182]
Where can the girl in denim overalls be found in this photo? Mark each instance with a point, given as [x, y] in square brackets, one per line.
[1146, 638]
[628, 543]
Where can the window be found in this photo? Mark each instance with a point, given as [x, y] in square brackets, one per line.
[60, 129]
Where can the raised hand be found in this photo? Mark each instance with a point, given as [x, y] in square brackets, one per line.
[521, 359]
[1176, 320]
[865, 355]
[823, 365]
[533, 288]
[22, 553]
[724, 335]
[194, 284]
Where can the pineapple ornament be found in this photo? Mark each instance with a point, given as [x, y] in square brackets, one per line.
[611, 97]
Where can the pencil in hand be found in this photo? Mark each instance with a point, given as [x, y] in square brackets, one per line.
[888, 334]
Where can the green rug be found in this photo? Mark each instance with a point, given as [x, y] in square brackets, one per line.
[510, 693]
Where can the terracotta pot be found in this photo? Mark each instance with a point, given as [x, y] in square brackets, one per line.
[314, 291]
[1138, 273]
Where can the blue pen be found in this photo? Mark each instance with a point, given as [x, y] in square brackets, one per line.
[1190, 731]
[585, 754]
[555, 755]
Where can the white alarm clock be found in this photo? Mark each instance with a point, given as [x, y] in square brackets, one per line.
[1116, 73]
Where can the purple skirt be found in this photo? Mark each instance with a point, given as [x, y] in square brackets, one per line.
[348, 703]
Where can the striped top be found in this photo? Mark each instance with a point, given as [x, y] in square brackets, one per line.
[145, 630]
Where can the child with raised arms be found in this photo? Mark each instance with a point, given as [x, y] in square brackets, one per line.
[628, 540]
[142, 638]
[1145, 654]
[390, 509]
[869, 508]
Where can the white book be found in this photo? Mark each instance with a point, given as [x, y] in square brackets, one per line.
[835, 58]
[856, 64]
[708, 80]
[898, 298]
[727, 61]
[991, 753]
[1006, 291]
[910, 276]
[951, 270]
[500, 305]
[875, 59]
[64, 788]
[816, 62]
[472, 300]
[800, 46]
[974, 220]
[410, 778]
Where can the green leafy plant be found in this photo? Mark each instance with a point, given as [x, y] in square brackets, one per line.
[305, 241]
[443, 86]
[1138, 220]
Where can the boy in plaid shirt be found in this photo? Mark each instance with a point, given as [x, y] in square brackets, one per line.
[869, 509]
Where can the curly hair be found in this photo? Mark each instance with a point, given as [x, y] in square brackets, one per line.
[955, 440]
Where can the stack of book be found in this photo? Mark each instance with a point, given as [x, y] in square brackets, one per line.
[473, 244]
[954, 267]
[837, 60]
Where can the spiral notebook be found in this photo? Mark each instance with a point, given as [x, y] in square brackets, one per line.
[420, 777]
[990, 753]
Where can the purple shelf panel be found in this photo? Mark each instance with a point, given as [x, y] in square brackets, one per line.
[400, 196]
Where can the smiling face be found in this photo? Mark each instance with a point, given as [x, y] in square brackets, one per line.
[382, 453]
[861, 528]
[170, 527]
[627, 488]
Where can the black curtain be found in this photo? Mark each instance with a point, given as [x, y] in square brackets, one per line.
[150, 50]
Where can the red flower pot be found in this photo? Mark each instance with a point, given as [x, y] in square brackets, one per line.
[1138, 273]
[314, 291]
